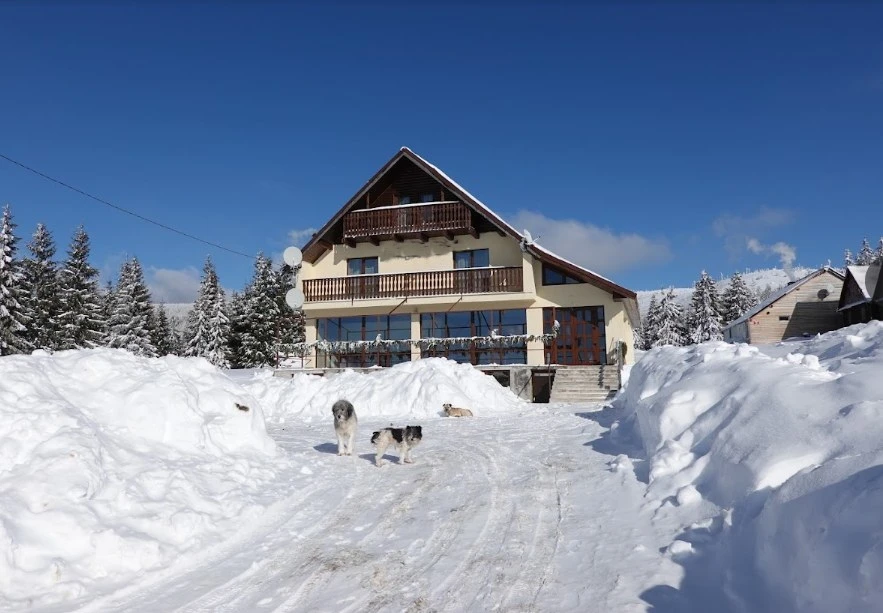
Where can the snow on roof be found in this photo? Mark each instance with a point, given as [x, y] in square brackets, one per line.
[866, 278]
[783, 291]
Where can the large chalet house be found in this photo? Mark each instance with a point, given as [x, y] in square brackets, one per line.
[412, 255]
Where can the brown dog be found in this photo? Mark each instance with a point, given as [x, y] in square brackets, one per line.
[452, 411]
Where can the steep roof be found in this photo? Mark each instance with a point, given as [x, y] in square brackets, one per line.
[865, 279]
[775, 297]
[314, 246]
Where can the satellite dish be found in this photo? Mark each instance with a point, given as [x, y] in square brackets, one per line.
[294, 298]
[527, 237]
[293, 257]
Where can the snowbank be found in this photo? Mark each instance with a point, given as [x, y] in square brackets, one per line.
[111, 464]
[414, 390]
[791, 439]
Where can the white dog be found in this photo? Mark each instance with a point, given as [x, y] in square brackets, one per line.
[452, 411]
[345, 423]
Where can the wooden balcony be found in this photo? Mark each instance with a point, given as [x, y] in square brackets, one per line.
[412, 284]
[409, 220]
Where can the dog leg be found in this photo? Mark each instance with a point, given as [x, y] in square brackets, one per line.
[406, 456]
[351, 444]
[378, 457]
[341, 445]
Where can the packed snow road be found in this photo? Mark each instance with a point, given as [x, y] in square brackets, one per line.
[511, 513]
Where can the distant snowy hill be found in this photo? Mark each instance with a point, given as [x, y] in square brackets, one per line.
[763, 282]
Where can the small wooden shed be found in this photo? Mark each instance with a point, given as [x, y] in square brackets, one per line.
[802, 308]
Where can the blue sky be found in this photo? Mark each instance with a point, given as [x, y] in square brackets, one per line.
[645, 141]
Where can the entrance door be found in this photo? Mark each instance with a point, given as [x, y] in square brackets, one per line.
[581, 340]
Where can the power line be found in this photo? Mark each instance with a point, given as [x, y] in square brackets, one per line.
[121, 209]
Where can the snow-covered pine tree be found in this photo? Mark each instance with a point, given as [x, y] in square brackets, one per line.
[42, 295]
[209, 328]
[704, 318]
[130, 312]
[878, 254]
[737, 299]
[162, 335]
[865, 255]
[12, 317]
[236, 311]
[650, 331]
[638, 336]
[847, 258]
[670, 330]
[262, 315]
[82, 315]
[292, 322]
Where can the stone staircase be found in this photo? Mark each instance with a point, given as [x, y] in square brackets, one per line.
[584, 384]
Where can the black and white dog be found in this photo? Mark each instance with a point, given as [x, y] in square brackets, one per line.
[404, 440]
[345, 423]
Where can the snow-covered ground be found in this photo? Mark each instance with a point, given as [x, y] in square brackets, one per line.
[724, 478]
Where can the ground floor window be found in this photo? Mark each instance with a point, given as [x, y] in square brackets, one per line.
[581, 339]
[475, 323]
[364, 328]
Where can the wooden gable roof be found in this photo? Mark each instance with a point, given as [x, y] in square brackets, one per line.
[861, 286]
[323, 239]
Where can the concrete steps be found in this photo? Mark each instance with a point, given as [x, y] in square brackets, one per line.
[584, 384]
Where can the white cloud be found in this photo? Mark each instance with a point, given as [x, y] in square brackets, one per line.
[787, 254]
[299, 237]
[173, 286]
[595, 248]
[738, 230]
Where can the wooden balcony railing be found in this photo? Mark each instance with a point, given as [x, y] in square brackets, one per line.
[401, 285]
[432, 218]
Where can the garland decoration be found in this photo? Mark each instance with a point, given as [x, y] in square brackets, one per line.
[492, 340]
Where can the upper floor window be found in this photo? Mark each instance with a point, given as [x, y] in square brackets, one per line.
[361, 266]
[554, 276]
[404, 199]
[427, 198]
[474, 258]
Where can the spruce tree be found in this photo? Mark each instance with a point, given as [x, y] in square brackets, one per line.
[737, 299]
[847, 258]
[82, 315]
[670, 327]
[865, 255]
[42, 294]
[130, 312]
[262, 315]
[209, 326]
[704, 319]
[650, 330]
[238, 326]
[292, 321]
[878, 254]
[162, 335]
[13, 327]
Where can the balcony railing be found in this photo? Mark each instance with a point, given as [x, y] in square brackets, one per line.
[413, 219]
[401, 285]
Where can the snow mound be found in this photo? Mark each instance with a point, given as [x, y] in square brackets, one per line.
[411, 390]
[788, 436]
[112, 464]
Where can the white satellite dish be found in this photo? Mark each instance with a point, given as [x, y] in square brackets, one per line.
[527, 237]
[293, 257]
[294, 298]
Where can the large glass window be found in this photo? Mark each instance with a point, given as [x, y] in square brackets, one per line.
[474, 258]
[364, 328]
[464, 324]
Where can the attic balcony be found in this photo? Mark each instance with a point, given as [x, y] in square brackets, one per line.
[408, 221]
[502, 279]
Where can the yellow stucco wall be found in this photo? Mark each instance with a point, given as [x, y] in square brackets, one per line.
[436, 254]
